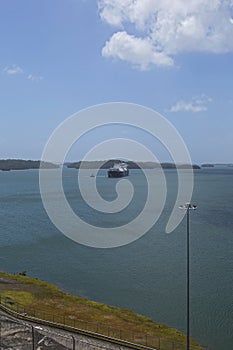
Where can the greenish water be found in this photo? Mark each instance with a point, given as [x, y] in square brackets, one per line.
[147, 276]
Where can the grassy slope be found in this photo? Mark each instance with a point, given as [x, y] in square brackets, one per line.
[40, 295]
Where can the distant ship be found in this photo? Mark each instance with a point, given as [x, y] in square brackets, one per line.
[118, 170]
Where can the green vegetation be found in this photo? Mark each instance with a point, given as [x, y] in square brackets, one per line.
[20, 164]
[131, 165]
[46, 301]
[23, 273]
[207, 165]
[19, 296]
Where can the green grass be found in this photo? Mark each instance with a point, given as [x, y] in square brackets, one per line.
[45, 300]
[19, 296]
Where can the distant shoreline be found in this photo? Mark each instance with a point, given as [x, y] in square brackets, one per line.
[131, 165]
[21, 164]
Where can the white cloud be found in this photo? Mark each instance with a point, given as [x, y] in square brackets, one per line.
[140, 52]
[197, 104]
[187, 107]
[13, 70]
[34, 77]
[170, 27]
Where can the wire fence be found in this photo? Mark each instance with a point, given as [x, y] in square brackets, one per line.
[152, 341]
[18, 335]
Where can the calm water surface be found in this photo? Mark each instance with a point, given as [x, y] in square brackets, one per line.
[147, 276]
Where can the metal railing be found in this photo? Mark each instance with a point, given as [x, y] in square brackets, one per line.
[146, 340]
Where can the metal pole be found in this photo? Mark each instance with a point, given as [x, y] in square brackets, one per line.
[73, 342]
[33, 338]
[188, 283]
[188, 207]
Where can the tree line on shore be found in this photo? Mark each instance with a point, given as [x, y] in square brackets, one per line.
[131, 165]
[21, 164]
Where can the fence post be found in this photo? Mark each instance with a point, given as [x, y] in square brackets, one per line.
[33, 338]
[73, 340]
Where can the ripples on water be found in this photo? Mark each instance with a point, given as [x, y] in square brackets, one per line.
[148, 275]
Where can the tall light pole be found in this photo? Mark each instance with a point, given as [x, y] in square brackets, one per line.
[188, 207]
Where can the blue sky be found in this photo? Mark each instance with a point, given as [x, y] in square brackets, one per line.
[60, 56]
